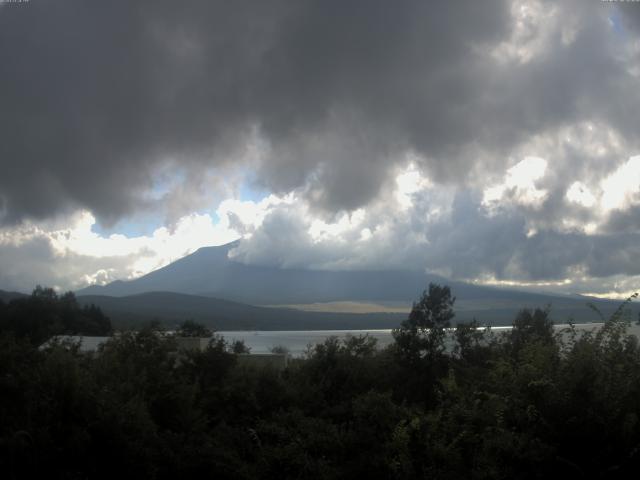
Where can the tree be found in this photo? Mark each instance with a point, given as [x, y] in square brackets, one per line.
[423, 333]
[238, 346]
[191, 328]
[44, 314]
[420, 346]
[531, 327]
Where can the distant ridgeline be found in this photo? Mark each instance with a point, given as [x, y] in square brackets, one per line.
[212, 288]
[128, 309]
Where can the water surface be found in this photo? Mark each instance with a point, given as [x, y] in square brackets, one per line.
[297, 342]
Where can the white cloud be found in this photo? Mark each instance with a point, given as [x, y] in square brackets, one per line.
[620, 187]
[347, 222]
[415, 224]
[249, 215]
[579, 193]
[158, 249]
[409, 182]
[79, 256]
[519, 184]
[534, 26]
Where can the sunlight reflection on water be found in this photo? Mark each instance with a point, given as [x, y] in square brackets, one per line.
[297, 341]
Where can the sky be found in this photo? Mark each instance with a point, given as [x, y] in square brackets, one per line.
[495, 142]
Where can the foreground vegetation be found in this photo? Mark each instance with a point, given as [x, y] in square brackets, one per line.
[525, 404]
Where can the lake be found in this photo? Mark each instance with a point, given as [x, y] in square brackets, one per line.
[297, 342]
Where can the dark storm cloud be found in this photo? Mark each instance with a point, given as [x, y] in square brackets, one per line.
[628, 15]
[96, 95]
[624, 221]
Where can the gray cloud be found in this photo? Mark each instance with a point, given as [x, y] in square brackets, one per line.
[99, 100]
[35, 261]
[465, 243]
[624, 221]
[97, 95]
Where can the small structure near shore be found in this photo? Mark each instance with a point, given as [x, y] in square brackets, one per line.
[86, 344]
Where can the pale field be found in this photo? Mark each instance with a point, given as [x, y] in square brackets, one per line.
[347, 307]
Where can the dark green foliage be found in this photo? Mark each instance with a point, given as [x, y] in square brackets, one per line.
[279, 349]
[531, 327]
[420, 344]
[238, 346]
[45, 313]
[439, 403]
[422, 335]
[191, 328]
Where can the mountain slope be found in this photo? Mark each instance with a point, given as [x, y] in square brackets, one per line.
[172, 308]
[209, 272]
[6, 297]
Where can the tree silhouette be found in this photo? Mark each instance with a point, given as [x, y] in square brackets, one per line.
[423, 333]
[191, 328]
